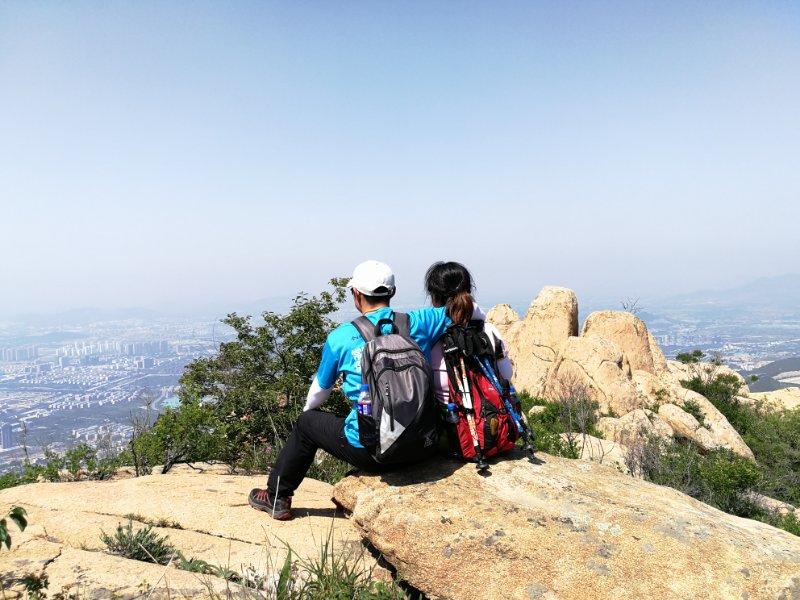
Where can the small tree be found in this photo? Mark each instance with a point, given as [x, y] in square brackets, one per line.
[690, 358]
[631, 305]
[190, 433]
[239, 405]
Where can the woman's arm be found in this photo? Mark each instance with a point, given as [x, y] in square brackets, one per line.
[504, 364]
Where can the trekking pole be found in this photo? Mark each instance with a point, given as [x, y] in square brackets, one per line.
[518, 418]
[466, 396]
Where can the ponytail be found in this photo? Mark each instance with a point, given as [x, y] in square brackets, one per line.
[449, 284]
[460, 308]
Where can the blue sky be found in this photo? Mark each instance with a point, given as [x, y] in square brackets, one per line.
[189, 154]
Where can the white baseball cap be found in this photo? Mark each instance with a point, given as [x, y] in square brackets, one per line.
[373, 278]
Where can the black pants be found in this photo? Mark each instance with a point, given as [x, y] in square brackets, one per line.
[314, 429]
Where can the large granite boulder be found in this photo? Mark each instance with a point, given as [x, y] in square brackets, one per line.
[534, 341]
[631, 427]
[630, 334]
[598, 366]
[686, 426]
[563, 529]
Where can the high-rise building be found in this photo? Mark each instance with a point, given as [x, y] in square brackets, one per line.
[6, 436]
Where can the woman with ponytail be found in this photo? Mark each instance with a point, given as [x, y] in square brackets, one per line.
[449, 284]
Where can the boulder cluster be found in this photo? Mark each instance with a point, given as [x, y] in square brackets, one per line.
[615, 361]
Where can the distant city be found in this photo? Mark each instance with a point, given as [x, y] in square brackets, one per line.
[61, 386]
[81, 378]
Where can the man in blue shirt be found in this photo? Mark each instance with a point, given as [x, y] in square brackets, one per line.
[372, 287]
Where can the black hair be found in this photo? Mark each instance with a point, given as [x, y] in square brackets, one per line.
[372, 300]
[449, 284]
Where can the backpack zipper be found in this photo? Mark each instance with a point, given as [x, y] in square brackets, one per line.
[398, 369]
[391, 408]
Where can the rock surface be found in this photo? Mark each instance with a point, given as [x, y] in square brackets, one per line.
[636, 424]
[686, 425]
[599, 450]
[534, 341]
[631, 335]
[597, 365]
[615, 360]
[563, 529]
[205, 515]
[783, 399]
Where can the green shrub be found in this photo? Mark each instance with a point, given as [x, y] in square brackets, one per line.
[787, 522]
[143, 544]
[724, 478]
[693, 408]
[546, 427]
[773, 436]
[722, 391]
[253, 390]
[719, 478]
[692, 357]
[193, 432]
[35, 585]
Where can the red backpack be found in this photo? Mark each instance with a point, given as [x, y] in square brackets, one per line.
[483, 418]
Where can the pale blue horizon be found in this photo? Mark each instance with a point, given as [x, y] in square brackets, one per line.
[197, 153]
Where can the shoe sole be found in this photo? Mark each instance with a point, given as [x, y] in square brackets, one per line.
[278, 516]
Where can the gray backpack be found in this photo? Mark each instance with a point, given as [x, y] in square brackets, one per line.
[402, 427]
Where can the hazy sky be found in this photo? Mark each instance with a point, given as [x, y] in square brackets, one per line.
[194, 153]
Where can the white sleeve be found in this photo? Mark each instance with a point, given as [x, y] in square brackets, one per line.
[477, 313]
[506, 368]
[504, 364]
[316, 396]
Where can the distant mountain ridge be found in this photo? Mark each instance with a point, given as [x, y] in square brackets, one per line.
[773, 292]
[76, 316]
[767, 373]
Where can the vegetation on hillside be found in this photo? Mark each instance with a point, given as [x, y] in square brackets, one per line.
[772, 435]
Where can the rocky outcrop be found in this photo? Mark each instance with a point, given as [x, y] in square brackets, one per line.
[205, 514]
[686, 426]
[685, 371]
[772, 505]
[636, 424]
[630, 334]
[598, 450]
[534, 341]
[563, 529]
[615, 362]
[596, 365]
[783, 399]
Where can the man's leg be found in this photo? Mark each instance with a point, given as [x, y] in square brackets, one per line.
[313, 430]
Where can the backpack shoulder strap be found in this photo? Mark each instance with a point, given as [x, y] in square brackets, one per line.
[402, 322]
[365, 327]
